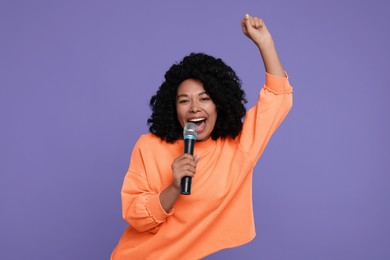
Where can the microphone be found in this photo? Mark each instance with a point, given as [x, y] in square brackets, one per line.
[189, 134]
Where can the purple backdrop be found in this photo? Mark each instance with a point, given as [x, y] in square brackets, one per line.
[75, 82]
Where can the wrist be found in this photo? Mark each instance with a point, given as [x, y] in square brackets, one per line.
[175, 188]
[168, 197]
[267, 43]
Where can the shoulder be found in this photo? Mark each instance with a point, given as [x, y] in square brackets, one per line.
[150, 147]
[148, 139]
[152, 142]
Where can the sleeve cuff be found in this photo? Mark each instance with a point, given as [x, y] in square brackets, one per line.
[278, 85]
[156, 210]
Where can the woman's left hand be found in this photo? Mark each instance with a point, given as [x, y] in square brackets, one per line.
[254, 28]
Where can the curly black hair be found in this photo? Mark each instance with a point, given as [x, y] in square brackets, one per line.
[219, 81]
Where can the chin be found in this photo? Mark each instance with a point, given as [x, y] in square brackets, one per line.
[203, 138]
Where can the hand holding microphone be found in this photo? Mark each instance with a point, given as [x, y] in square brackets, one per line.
[189, 134]
[184, 166]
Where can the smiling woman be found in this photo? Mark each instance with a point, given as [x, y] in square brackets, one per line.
[195, 105]
[218, 213]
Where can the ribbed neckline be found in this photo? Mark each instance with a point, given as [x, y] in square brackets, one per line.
[205, 144]
[199, 146]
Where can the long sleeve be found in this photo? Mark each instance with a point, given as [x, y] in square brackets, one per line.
[262, 120]
[141, 206]
[222, 191]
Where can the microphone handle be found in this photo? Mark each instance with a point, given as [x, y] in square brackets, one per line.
[186, 181]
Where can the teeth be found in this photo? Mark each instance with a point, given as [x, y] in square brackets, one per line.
[197, 119]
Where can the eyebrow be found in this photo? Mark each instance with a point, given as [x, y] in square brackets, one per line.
[185, 95]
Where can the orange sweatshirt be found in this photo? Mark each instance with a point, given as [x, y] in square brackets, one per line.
[218, 214]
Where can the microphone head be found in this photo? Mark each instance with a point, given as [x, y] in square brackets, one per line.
[189, 131]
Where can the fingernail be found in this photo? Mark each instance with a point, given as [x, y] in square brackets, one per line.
[246, 15]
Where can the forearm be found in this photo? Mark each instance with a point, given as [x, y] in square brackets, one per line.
[256, 30]
[262, 120]
[270, 58]
[168, 197]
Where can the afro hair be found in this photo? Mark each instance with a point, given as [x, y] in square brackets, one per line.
[219, 81]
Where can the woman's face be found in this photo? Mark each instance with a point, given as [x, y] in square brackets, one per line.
[193, 104]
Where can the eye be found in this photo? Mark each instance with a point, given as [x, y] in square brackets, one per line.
[205, 99]
[183, 101]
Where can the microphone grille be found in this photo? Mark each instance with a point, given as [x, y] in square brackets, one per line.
[190, 130]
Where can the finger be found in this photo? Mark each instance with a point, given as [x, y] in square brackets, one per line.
[185, 173]
[189, 161]
[184, 158]
[245, 18]
[186, 155]
[186, 167]
[261, 23]
[247, 21]
[257, 23]
[243, 25]
[252, 22]
[178, 169]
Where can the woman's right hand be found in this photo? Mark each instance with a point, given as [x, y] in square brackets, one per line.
[184, 165]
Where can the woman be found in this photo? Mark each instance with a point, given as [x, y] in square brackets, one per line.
[218, 214]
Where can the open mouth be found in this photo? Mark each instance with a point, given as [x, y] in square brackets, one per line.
[199, 122]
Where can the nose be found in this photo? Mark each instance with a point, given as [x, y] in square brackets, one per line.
[194, 107]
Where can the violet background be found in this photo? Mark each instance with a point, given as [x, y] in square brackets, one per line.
[75, 81]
